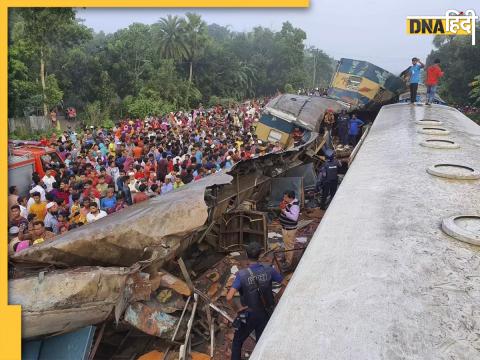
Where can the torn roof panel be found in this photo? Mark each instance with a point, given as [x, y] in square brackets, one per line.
[304, 111]
[130, 235]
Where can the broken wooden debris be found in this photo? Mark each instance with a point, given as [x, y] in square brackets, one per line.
[166, 280]
[185, 348]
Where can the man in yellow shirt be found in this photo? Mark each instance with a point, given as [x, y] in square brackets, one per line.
[38, 208]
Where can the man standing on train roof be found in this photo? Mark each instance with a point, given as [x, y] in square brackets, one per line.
[414, 71]
[433, 74]
[255, 287]
[329, 179]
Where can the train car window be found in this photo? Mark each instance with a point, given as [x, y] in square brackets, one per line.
[353, 82]
[274, 136]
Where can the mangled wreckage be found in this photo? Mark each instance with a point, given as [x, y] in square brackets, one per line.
[116, 267]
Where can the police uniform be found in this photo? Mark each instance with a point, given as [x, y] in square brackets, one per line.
[256, 316]
[342, 127]
[329, 176]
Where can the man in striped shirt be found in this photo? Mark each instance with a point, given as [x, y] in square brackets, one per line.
[290, 210]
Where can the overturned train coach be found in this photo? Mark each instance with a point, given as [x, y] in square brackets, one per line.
[363, 85]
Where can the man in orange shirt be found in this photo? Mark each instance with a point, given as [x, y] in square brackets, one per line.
[433, 74]
[38, 208]
[137, 151]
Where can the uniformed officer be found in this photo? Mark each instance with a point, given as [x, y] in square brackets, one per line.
[329, 179]
[342, 127]
[255, 287]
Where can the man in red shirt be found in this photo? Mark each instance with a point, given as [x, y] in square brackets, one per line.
[433, 74]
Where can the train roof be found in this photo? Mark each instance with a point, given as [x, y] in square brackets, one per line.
[380, 279]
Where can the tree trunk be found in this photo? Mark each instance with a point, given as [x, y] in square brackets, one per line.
[42, 80]
[191, 72]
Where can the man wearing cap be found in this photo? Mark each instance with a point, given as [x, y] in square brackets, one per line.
[13, 239]
[255, 287]
[51, 221]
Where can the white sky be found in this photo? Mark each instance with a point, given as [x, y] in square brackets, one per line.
[372, 30]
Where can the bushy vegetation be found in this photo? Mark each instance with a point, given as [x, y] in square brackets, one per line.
[176, 63]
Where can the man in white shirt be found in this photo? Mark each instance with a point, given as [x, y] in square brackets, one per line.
[48, 180]
[51, 221]
[95, 213]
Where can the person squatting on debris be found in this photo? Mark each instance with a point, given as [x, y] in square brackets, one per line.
[328, 179]
[255, 287]
[434, 72]
[289, 212]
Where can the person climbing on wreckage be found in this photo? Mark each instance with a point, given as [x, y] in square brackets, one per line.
[254, 284]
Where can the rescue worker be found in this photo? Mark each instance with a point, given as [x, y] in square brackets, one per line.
[255, 287]
[289, 212]
[329, 179]
[342, 127]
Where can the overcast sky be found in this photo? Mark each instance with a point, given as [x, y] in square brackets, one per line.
[372, 30]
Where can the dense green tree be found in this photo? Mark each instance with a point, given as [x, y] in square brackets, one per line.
[475, 92]
[460, 62]
[175, 63]
[43, 30]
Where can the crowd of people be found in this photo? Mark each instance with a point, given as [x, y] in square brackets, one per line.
[105, 170]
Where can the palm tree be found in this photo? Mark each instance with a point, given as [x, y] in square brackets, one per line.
[195, 32]
[171, 37]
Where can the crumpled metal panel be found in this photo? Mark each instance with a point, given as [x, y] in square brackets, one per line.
[131, 235]
[66, 300]
[151, 321]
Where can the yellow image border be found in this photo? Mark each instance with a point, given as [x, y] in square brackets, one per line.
[10, 315]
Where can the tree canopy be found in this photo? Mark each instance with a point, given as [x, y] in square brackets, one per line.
[461, 65]
[175, 63]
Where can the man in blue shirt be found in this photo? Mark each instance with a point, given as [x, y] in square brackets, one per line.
[255, 287]
[414, 72]
[354, 129]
